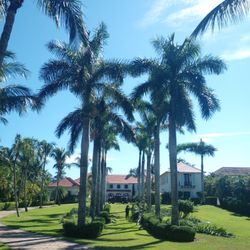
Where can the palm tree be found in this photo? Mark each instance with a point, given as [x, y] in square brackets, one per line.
[82, 71]
[65, 12]
[178, 72]
[45, 150]
[60, 156]
[202, 149]
[224, 13]
[14, 97]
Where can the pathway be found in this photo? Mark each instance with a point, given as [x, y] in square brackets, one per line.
[18, 239]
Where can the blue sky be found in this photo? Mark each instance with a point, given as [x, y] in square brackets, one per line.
[132, 25]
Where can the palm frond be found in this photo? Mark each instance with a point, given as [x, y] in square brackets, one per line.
[226, 12]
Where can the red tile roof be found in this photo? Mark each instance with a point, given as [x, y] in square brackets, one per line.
[121, 179]
[66, 182]
[185, 168]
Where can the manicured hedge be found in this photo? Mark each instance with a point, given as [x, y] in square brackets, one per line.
[7, 205]
[164, 231]
[211, 200]
[87, 231]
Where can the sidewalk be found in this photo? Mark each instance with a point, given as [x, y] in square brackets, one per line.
[18, 239]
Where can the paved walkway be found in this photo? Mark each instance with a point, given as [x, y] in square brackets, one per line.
[18, 239]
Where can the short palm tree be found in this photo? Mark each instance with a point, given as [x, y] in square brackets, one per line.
[81, 71]
[202, 149]
[177, 73]
[60, 156]
[62, 12]
[224, 13]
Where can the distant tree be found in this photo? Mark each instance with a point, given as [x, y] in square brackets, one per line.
[59, 155]
[202, 149]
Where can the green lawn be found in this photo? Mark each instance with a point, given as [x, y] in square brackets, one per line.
[3, 247]
[125, 235]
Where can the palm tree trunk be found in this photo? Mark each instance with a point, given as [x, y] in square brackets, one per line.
[139, 177]
[202, 180]
[8, 25]
[25, 189]
[173, 170]
[42, 184]
[142, 179]
[94, 179]
[15, 188]
[103, 167]
[83, 172]
[57, 189]
[98, 197]
[148, 182]
[157, 170]
[105, 177]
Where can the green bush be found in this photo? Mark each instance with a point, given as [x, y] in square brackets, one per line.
[181, 233]
[196, 201]
[87, 231]
[185, 207]
[105, 215]
[212, 230]
[2, 204]
[107, 208]
[7, 205]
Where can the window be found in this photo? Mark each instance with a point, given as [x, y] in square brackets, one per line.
[118, 186]
[126, 186]
[187, 180]
[110, 185]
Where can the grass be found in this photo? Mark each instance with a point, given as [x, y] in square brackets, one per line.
[3, 247]
[123, 235]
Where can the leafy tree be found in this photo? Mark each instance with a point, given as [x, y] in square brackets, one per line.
[202, 149]
[226, 12]
[65, 12]
[44, 150]
[60, 156]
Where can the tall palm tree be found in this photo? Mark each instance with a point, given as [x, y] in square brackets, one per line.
[82, 71]
[202, 149]
[59, 155]
[177, 73]
[44, 150]
[226, 12]
[14, 97]
[62, 12]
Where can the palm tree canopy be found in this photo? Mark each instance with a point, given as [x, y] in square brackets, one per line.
[177, 72]
[199, 148]
[224, 13]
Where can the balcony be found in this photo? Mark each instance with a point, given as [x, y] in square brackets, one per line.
[187, 185]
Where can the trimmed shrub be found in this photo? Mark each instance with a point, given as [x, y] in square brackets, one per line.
[181, 234]
[87, 231]
[185, 207]
[211, 200]
[212, 230]
[105, 215]
[2, 204]
[196, 200]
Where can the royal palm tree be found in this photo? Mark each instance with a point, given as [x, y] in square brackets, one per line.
[202, 149]
[177, 73]
[63, 12]
[226, 12]
[82, 71]
[14, 97]
[44, 150]
[60, 156]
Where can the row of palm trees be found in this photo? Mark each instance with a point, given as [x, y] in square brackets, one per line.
[176, 73]
[25, 164]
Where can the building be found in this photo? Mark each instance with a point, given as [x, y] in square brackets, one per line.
[121, 187]
[189, 181]
[72, 186]
[232, 171]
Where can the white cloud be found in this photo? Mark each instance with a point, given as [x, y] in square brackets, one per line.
[236, 55]
[196, 9]
[210, 136]
[155, 12]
